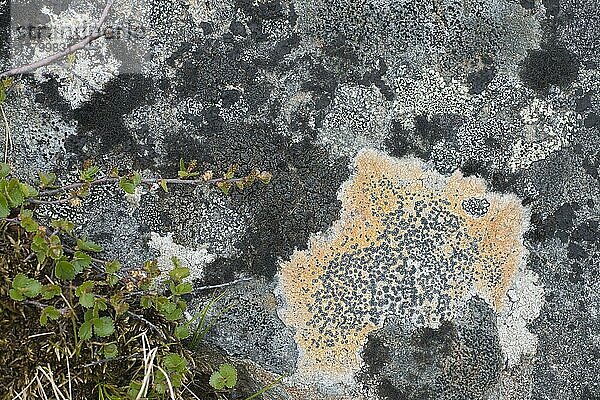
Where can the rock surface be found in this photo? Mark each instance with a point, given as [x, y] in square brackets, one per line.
[486, 109]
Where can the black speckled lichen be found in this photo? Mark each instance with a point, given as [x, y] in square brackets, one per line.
[410, 243]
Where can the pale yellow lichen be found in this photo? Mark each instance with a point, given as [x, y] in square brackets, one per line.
[409, 242]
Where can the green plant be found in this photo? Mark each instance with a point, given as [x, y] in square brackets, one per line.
[225, 377]
[204, 322]
[89, 311]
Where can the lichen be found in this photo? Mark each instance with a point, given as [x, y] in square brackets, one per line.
[525, 299]
[411, 243]
[194, 259]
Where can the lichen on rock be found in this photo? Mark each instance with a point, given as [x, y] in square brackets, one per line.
[411, 243]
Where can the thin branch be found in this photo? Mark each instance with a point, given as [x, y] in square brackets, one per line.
[147, 181]
[150, 324]
[50, 202]
[71, 49]
[95, 260]
[7, 136]
[63, 311]
[222, 284]
[130, 356]
[77, 185]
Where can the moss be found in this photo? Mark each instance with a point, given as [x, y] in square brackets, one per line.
[25, 345]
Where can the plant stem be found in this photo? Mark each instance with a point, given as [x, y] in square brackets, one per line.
[61, 54]
[150, 324]
[111, 180]
[201, 288]
[7, 137]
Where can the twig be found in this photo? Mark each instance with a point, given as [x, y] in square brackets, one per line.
[150, 324]
[47, 202]
[77, 185]
[131, 356]
[69, 377]
[7, 137]
[95, 260]
[71, 49]
[19, 395]
[149, 355]
[147, 181]
[50, 378]
[62, 311]
[186, 387]
[169, 385]
[222, 284]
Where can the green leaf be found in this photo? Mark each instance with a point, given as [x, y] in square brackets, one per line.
[173, 315]
[134, 390]
[112, 267]
[4, 210]
[127, 185]
[85, 330]
[217, 381]
[103, 326]
[110, 350]
[230, 172]
[224, 186]
[27, 222]
[118, 304]
[137, 178]
[87, 300]
[46, 179]
[39, 246]
[13, 193]
[183, 288]
[229, 374]
[160, 386]
[112, 279]
[28, 190]
[63, 225]
[81, 261]
[16, 295]
[49, 291]
[4, 170]
[55, 249]
[88, 245]
[176, 379]
[121, 307]
[182, 331]
[88, 315]
[100, 303]
[89, 173]
[27, 286]
[226, 376]
[265, 177]
[64, 270]
[85, 287]
[163, 185]
[179, 273]
[151, 268]
[49, 312]
[146, 301]
[174, 362]
[182, 166]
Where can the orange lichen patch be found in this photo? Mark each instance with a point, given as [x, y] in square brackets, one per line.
[410, 243]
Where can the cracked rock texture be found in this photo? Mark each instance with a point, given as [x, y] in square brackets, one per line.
[497, 99]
